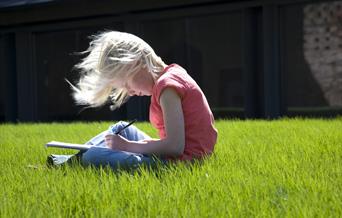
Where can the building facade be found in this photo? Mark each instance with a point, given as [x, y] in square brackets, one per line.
[253, 59]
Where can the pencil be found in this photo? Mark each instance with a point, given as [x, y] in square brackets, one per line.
[130, 123]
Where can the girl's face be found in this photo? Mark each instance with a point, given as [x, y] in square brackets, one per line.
[140, 84]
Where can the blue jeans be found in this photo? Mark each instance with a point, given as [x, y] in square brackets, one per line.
[101, 155]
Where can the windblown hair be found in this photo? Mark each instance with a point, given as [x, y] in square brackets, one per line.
[112, 56]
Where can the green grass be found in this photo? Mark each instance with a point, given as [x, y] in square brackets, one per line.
[283, 168]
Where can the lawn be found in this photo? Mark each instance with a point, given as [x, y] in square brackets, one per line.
[281, 168]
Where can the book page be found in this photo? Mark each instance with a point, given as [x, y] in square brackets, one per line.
[68, 145]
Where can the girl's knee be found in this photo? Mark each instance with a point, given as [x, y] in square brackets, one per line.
[118, 126]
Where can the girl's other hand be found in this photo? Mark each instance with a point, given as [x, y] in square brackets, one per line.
[116, 142]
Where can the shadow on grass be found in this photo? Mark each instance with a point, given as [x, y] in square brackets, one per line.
[157, 168]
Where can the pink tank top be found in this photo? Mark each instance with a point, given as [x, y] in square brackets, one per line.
[200, 133]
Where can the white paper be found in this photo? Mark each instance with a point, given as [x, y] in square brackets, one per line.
[68, 145]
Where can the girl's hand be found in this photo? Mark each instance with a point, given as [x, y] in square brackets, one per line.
[116, 142]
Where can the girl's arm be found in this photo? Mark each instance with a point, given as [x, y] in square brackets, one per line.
[174, 142]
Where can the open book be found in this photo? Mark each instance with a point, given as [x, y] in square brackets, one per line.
[68, 145]
[96, 141]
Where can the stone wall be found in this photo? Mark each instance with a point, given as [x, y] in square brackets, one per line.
[323, 47]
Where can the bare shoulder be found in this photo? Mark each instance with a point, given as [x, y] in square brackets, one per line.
[169, 95]
[171, 103]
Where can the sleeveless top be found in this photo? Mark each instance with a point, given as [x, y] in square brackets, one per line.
[200, 133]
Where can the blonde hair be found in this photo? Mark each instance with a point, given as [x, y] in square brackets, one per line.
[112, 56]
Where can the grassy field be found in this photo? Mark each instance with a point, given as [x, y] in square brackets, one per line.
[283, 168]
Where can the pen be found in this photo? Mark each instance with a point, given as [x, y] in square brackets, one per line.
[130, 123]
[118, 131]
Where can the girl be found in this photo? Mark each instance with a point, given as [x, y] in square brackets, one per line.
[119, 65]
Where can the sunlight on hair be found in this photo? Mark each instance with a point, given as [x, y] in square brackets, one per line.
[111, 58]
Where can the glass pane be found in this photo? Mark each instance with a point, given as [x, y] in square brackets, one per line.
[55, 54]
[209, 47]
[215, 43]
